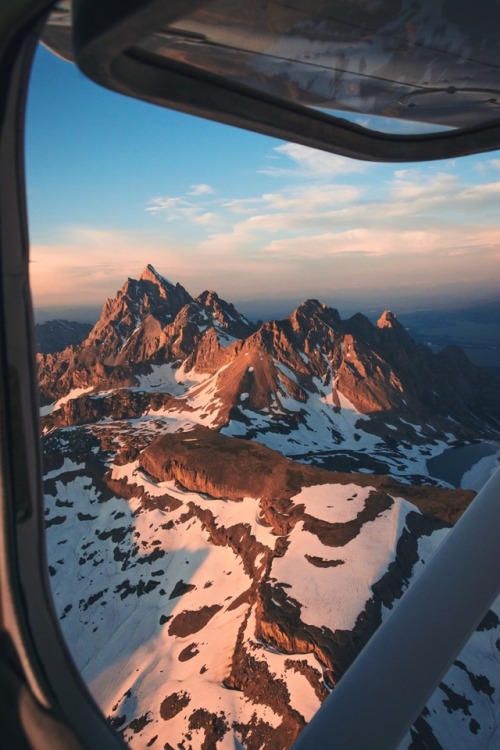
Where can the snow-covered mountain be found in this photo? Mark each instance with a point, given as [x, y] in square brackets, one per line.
[150, 321]
[342, 394]
[212, 589]
[208, 608]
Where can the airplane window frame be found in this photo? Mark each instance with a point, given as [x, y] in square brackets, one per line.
[106, 39]
[51, 706]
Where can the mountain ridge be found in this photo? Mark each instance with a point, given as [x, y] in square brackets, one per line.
[311, 368]
[56, 334]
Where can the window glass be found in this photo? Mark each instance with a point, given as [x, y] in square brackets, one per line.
[211, 304]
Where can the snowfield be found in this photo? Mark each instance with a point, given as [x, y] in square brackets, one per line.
[175, 625]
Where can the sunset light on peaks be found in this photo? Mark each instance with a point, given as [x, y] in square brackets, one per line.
[251, 392]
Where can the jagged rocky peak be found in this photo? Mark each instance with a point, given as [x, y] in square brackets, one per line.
[151, 274]
[311, 327]
[313, 323]
[154, 288]
[208, 298]
[224, 314]
[165, 287]
[211, 301]
[311, 306]
[376, 367]
[387, 320]
[312, 309]
[150, 295]
[359, 326]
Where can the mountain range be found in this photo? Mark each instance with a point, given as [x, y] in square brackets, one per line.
[54, 335]
[344, 395]
[233, 509]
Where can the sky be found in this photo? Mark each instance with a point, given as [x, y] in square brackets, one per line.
[115, 184]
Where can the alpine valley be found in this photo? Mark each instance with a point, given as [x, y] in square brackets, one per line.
[232, 510]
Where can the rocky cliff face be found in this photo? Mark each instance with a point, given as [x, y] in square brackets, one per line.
[150, 320]
[131, 323]
[129, 330]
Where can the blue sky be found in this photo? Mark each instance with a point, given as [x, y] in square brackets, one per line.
[114, 184]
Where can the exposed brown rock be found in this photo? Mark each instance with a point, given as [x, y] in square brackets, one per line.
[122, 403]
[256, 734]
[161, 502]
[266, 601]
[377, 367]
[173, 704]
[150, 320]
[313, 676]
[180, 589]
[214, 725]
[190, 622]
[189, 652]
[253, 678]
[206, 461]
[319, 562]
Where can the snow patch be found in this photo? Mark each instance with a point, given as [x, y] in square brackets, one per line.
[335, 596]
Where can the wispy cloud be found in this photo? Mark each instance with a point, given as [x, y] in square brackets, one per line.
[360, 241]
[179, 208]
[487, 191]
[421, 189]
[200, 189]
[303, 198]
[88, 264]
[312, 197]
[386, 242]
[208, 218]
[85, 265]
[171, 208]
[409, 211]
[371, 222]
[302, 161]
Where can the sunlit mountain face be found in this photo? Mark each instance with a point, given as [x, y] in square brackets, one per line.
[232, 510]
